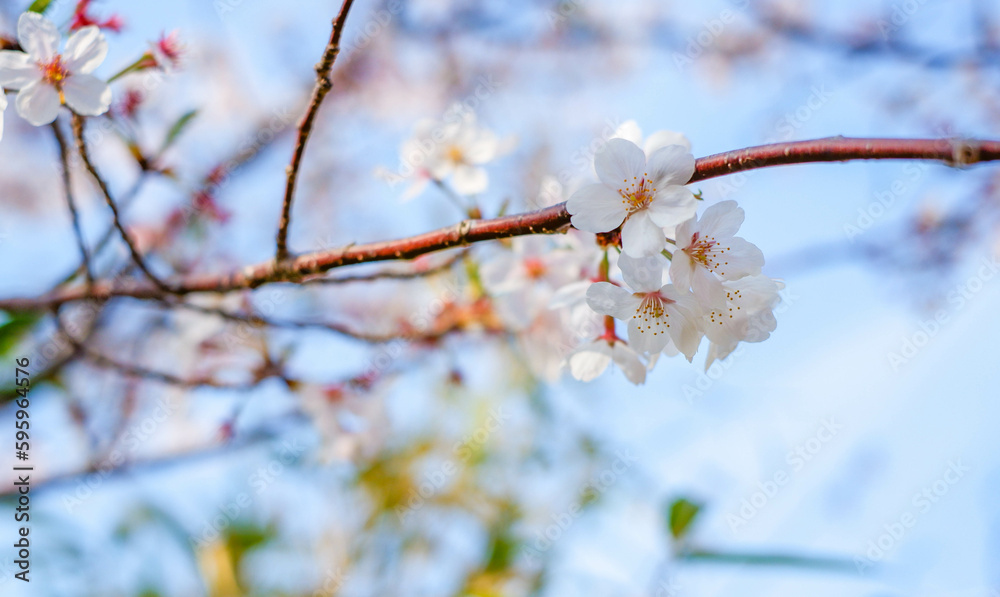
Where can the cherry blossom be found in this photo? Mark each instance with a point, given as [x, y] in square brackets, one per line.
[455, 148]
[656, 313]
[708, 252]
[47, 78]
[630, 131]
[644, 194]
[746, 317]
[590, 360]
[524, 279]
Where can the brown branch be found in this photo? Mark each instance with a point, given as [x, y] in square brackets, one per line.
[545, 221]
[132, 370]
[323, 86]
[81, 145]
[387, 274]
[70, 203]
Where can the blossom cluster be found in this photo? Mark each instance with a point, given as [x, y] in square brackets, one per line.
[669, 277]
[47, 78]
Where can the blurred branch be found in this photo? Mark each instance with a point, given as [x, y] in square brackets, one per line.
[323, 86]
[81, 144]
[954, 152]
[70, 203]
[878, 43]
[132, 370]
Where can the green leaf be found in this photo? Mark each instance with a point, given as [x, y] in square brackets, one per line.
[15, 326]
[40, 6]
[178, 128]
[682, 513]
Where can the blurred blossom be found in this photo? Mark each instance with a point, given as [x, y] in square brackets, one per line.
[47, 78]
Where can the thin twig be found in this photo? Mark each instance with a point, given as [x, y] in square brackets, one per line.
[81, 145]
[71, 204]
[132, 370]
[323, 86]
[955, 152]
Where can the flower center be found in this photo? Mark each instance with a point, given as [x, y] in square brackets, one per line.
[535, 267]
[455, 154]
[638, 194]
[54, 72]
[705, 251]
[651, 316]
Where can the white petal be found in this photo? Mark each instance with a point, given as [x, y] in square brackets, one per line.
[630, 131]
[641, 237]
[608, 299]
[469, 180]
[685, 315]
[681, 269]
[661, 139]
[721, 220]
[17, 70]
[672, 206]
[37, 36]
[85, 50]
[38, 103]
[742, 258]
[642, 274]
[483, 149]
[629, 362]
[717, 351]
[589, 361]
[570, 294]
[87, 94]
[651, 339]
[619, 161]
[3, 106]
[708, 289]
[596, 208]
[670, 165]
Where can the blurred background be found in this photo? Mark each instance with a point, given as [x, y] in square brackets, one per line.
[367, 452]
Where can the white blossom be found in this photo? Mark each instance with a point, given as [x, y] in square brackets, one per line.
[630, 131]
[590, 360]
[455, 149]
[641, 195]
[656, 313]
[46, 79]
[746, 317]
[708, 252]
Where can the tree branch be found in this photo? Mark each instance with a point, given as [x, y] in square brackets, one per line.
[323, 86]
[545, 221]
[70, 203]
[81, 146]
